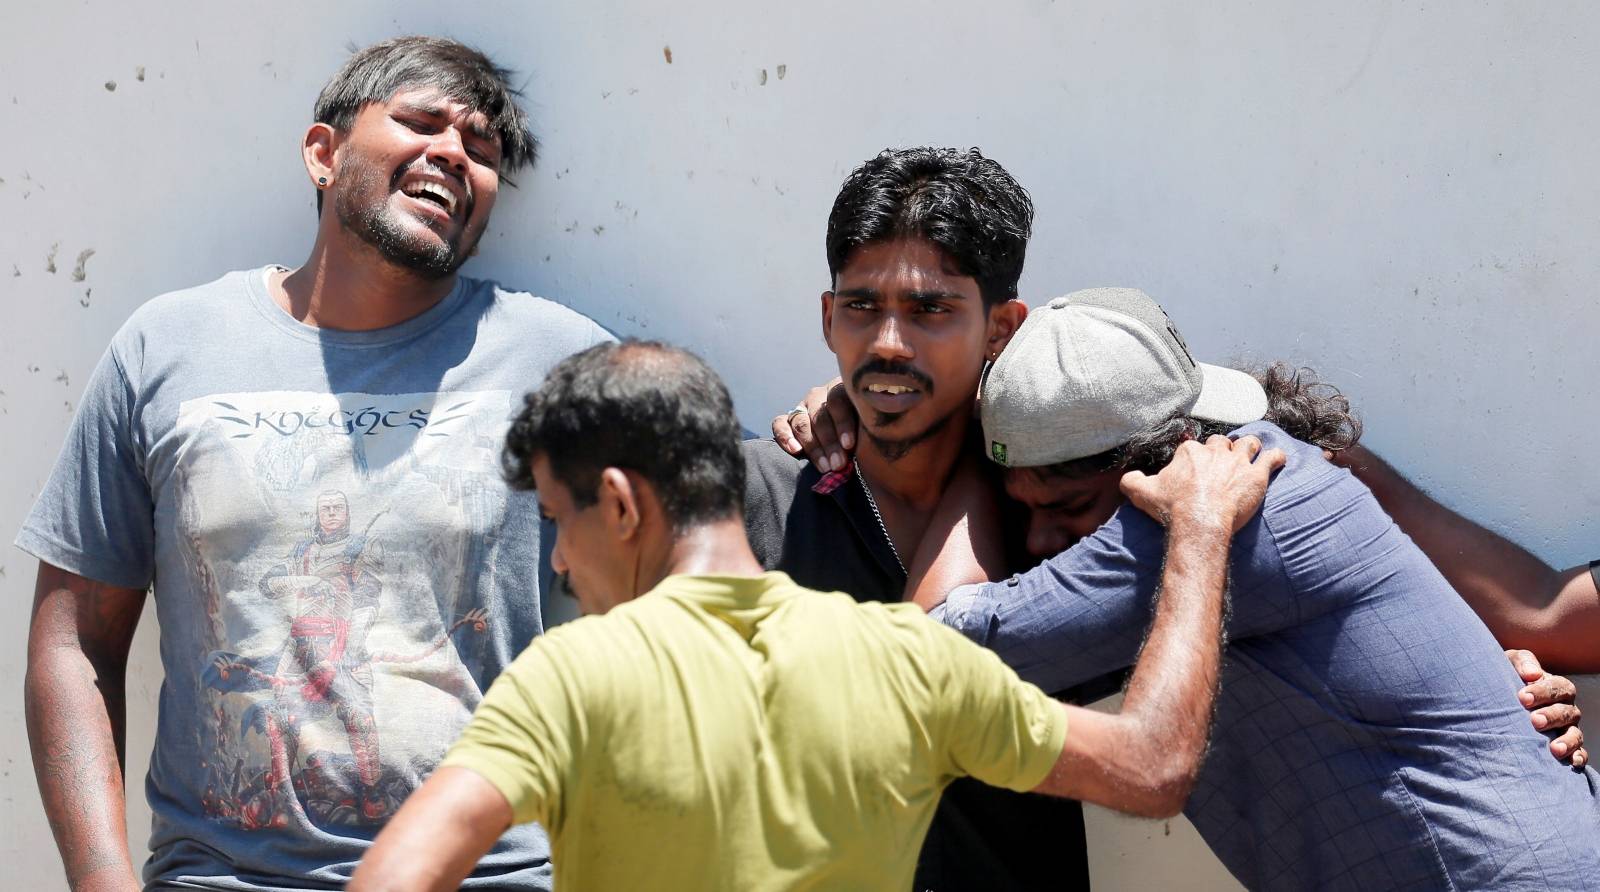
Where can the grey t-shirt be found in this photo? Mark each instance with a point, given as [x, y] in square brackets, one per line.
[339, 569]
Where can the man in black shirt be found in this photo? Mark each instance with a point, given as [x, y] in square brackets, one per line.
[925, 247]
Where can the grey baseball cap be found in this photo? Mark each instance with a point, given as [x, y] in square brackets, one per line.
[1087, 371]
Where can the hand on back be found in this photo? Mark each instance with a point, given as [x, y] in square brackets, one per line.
[1220, 483]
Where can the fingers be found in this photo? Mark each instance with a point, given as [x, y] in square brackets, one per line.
[1569, 745]
[822, 427]
[842, 415]
[826, 435]
[802, 423]
[1556, 717]
[783, 434]
[1273, 459]
[1547, 690]
[1526, 664]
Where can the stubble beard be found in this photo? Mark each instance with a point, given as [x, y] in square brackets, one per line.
[374, 223]
[893, 450]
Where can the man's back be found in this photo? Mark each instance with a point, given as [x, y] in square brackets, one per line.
[745, 733]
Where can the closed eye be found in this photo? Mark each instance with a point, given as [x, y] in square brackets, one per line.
[1069, 507]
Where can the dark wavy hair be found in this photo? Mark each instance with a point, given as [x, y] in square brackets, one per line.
[1305, 408]
[467, 75]
[968, 205]
[642, 406]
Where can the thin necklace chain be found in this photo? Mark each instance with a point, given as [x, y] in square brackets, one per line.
[878, 516]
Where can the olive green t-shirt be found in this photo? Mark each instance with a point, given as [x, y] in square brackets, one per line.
[746, 733]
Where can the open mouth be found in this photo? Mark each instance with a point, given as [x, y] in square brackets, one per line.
[432, 193]
[890, 397]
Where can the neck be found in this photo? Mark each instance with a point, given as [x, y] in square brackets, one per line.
[916, 479]
[719, 548]
[347, 285]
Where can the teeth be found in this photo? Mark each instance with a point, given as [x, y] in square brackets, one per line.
[430, 188]
[887, 388]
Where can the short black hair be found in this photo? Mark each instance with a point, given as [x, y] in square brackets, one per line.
[641, 406]
[458, 71]
[966, 204]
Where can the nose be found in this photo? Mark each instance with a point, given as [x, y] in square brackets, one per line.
[889, 341]
[558, 557]
[448, 150]
[1046, 538]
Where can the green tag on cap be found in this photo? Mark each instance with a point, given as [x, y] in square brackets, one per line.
[997, 451]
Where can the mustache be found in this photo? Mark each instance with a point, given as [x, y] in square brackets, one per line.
[877, 365]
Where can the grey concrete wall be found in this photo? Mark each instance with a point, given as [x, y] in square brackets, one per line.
[1400, 195]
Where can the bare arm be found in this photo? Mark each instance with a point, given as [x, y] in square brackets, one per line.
[74, 696]
[437, 836]
[1524, 601]
[1145, 758]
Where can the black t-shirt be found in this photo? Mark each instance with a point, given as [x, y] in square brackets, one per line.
[982, 837]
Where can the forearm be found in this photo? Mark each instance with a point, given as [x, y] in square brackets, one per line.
[1144, 759]
[1170, 698]
[75, 717]
[74, 695]
[437, 836]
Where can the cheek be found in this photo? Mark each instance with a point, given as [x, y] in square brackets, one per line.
[485, 190]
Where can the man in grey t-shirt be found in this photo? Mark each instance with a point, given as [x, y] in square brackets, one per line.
[305, 463]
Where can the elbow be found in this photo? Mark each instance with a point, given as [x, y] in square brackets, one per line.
[1158, 798]
[1165, 780]
[1167, 798]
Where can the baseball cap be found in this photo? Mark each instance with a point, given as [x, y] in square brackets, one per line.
[1087, 371]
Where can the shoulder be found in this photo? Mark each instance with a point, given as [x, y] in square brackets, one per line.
[185, 316]
[1305, 470]
[538, 317]
[771, 475]
[585, 650]
[765, 458]
[1274, 437]
[187, 307]
[771, 480]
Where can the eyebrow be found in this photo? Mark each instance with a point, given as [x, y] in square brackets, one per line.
[475, 124]
[872, 294]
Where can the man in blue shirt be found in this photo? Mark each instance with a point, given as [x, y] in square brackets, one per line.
[1368, 732]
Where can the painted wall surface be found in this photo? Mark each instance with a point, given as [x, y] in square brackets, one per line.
[1399, 195]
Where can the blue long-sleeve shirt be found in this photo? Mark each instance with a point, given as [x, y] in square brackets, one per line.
[1368, 734]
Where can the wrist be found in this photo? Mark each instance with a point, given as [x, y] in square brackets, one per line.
[1199, 523]
[111, 878]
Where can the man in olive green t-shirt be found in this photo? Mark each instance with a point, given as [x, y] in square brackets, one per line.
[722, 728]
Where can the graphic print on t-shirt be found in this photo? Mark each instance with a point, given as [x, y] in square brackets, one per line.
[341, 545]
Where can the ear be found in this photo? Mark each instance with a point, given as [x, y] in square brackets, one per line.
[1004, 320]
[318, 150]
[827, 318]
[620, 503]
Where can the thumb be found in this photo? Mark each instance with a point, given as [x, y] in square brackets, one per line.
[1134, 482]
